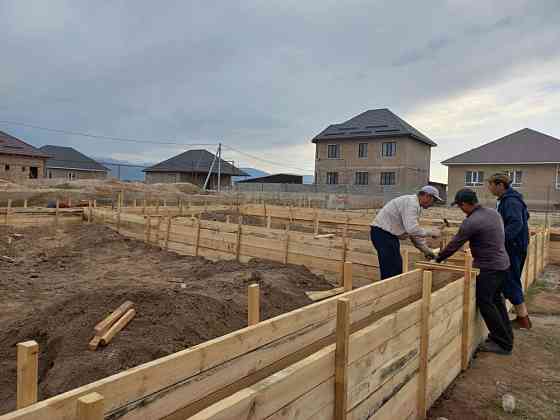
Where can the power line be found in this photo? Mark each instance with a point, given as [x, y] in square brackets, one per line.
[100, 137]
[270, 162]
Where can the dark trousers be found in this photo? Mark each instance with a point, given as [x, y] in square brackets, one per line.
[489, 287]
[388, 250]
[513, 289]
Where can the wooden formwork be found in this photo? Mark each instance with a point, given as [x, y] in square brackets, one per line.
[389, 353]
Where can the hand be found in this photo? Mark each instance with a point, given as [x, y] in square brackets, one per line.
[430, 255]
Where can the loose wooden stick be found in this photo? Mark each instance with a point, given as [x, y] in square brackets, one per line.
[27, 373]
[117, 326]
[102, 327]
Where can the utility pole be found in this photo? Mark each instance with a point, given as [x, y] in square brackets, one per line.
[210, 171]
[219, 166]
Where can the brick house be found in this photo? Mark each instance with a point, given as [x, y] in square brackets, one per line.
[193, 166]
[68, 163]
[531, 158]
[375, 151]
[19, 160]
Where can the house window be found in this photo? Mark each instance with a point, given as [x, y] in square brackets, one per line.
[362, 150]
[333, 151]
[71, 176]
[6, 167]
[387, 178]
[473, 178]
[388, 149]
[516, 177]
[23, 169]
[362, 178]
[332, 178]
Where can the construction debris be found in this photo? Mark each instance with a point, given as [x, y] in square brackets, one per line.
[107, 329]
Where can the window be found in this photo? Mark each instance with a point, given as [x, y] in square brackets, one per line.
[516, 177]
[6, 167]
[387, 178]
[333, 151]
[362, 178]
[332, 178]
[473, 178]
[362, 150]
[23, 169]
[388, 149]
[71, 176]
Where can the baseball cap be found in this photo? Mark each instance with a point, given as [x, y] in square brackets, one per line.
[465, 195]
[433, 191]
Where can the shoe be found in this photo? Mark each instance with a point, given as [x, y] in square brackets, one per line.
[491, 347]
[522, 323]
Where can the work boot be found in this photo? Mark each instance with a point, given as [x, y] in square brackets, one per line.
[491, 347]
[522, 322]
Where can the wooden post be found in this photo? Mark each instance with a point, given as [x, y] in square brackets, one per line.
[543, 247]
[253, 309]
[149, 229]
[69, 202]
[8, 209]
[94, 203]
[180, 207]
[228, 219]
[197, 237]
[405, 258]
[25, 203]
[144, 206]
[56, 213]
[268, 221]
[316, 223]
[167, 233]
[287, 244]
[465, 344]
[164, 202]
[341, 358]
[158, 228]
[134, 203]
[27, 373]
[424, 343]
[238, 239]
[347, 276]
[157, 206]
[119, 219]
[91, 407]
[535, 259]
[90, 211]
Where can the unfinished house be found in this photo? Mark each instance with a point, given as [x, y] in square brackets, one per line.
[193, 166]
[531, 158]
[68, 163]
[374, 151]
[19, 160]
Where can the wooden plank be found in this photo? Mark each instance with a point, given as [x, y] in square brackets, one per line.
[8, 211]
[324, 294]
[94, 343]
[238, 239]
[102, 327]
[424, 343]
[167, 233]
[341, 358]
[197, 238]
[56, 216]
[253, 299]
[116, 327]
[465, 347]
[347, 276]
[91, 407]
[27, 373]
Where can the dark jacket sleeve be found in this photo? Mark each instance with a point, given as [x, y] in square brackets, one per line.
[513, 219]
[464, 234]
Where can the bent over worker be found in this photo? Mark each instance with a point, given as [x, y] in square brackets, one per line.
[484, 230]
[515, 215]
[398, 219]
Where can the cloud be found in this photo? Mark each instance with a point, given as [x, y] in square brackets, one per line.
[265, 77]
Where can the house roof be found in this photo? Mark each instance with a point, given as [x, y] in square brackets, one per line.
[70, 158]
[276, 178]
[523, 146]
[195, 161]
[10, 145]
[377, 123]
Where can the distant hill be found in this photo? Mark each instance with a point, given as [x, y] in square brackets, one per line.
[131, 172]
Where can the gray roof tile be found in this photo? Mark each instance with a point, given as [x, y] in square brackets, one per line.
[195, 161]
[523, 146]
[375, 123]
[70, 158]
[10, 145]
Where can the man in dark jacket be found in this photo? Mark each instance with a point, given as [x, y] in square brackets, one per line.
[484, 230]
[515, 215]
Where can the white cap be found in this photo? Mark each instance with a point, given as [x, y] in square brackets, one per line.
[433, 191]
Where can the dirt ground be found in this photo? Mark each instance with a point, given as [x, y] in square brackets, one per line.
[64, 282]
[531, 374]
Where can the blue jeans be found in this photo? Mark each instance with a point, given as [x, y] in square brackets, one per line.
[513, 289]
[388, 250]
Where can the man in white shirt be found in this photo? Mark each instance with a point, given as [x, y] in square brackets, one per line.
[398, 219]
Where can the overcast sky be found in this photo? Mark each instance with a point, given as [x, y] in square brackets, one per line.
[265, 76]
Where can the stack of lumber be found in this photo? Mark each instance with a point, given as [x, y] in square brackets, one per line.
[106, 330]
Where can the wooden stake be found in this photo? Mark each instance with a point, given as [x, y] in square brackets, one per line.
[347, 277]
[238, 239]
[149, 229]
[157, 206]
[90, 211]
[465, 344]
[8, 209]
[144, 206]
[197, 237]
[535, 260]
[287, 244]
[25, 203]
[268, 221]
[228, 219]
[158, 228]
[56, 213]
[134, 203]
[27, 373]
[91, 407]
[341, 358]
[253, 310]
[94, 203]
[405, 259]
[424, 344]
[167, 233]
[119, 219]
[69, 201]
[316, 223]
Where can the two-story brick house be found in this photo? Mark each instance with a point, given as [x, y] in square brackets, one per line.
[375, 151]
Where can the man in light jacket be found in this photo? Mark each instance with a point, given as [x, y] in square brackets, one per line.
[398, 219]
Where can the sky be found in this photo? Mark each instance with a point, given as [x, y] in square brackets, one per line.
[264, 77]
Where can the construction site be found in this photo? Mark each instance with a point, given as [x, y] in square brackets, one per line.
[229, 307]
